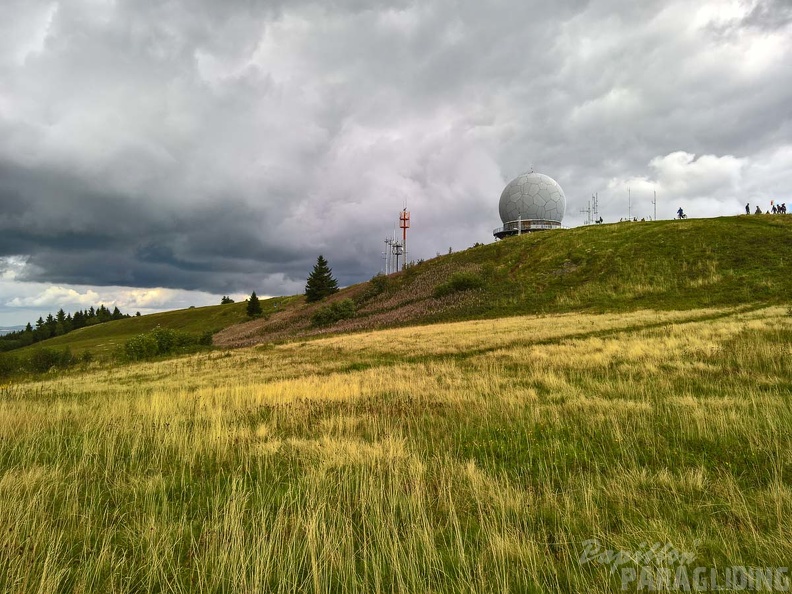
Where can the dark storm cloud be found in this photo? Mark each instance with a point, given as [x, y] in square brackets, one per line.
[222, 146]
[74, 234]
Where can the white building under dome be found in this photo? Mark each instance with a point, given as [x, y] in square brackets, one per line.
[530, 202]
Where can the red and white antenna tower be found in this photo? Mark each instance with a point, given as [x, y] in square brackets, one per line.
[404, 224]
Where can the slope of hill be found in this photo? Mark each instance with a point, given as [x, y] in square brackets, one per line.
[105, 338]
[624, 266]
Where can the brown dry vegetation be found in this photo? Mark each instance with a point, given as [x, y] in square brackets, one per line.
[409, 302]
[722, 262]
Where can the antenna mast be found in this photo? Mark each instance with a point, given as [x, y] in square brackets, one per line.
[404, 224]
[388, 255]
[629, 205]
[587, 211]
[654, 203]
[592, 210]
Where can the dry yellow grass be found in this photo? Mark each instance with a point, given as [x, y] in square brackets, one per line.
[474, 456]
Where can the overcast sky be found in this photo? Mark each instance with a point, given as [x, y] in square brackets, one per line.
[156, 155]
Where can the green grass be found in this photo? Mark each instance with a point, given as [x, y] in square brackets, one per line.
[615, 268]
[469, 457]
[104, 339]
[664, 264]
[474, 456]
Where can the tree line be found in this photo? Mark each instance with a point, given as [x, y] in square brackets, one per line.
[59, 324]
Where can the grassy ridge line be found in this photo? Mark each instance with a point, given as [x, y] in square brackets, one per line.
[687, 264]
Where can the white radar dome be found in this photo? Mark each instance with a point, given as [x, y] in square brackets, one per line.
[532, 196]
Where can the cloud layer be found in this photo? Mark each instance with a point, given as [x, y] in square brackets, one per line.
[221, 146]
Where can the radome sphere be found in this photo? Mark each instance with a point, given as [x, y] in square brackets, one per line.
[532, 196]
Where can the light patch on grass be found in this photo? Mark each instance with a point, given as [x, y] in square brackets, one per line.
[335, 452]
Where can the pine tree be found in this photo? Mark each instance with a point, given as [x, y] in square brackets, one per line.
[103, 314]
[253, 305]
[320, 282]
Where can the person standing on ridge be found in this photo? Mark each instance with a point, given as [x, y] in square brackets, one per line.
[748, 208]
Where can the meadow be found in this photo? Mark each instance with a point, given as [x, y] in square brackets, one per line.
[467, 457]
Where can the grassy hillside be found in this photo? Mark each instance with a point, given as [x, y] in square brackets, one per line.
[469, 457]
[619, 267]
[105, 338]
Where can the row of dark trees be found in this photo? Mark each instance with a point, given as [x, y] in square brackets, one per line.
[57, 325]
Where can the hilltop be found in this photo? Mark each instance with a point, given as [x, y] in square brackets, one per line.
[604, 268]
[627, 266]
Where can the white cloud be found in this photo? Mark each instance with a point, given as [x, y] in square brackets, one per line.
[22, 302]
[704, 186]
[686, 176]
[55, 296]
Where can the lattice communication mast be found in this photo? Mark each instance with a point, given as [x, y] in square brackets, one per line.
[404, 224]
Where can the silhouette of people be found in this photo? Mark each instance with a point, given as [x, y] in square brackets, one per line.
[748, 208]
[681, 213]
[758, 210]
[599, 221]
[774, 209]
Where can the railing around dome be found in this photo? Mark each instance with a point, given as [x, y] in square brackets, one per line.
[526, 226]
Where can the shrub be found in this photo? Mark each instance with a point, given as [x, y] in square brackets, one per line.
[459, 281]
[334, 312]
[409, 272]
[167, 339]
[42, 360]
[379, 284]
[159, 341]
[142, 346]
[8, 365]
[376, 286]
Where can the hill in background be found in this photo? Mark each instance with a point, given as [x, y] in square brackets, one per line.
[626, 266]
